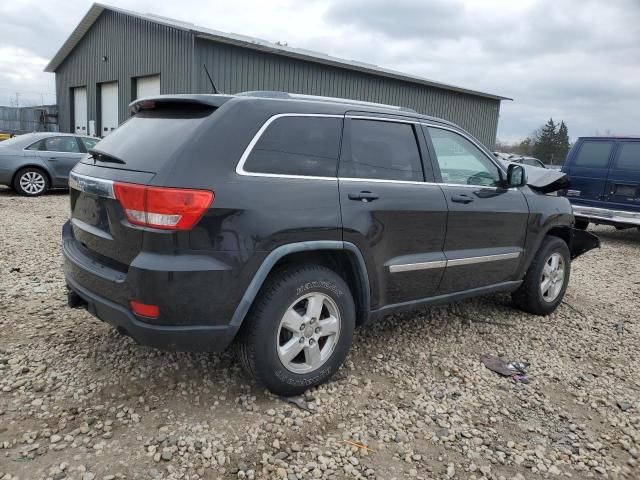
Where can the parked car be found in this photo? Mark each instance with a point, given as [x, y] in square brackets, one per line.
[35, 162]
[5, 136]
[605, 181]
[285, 222]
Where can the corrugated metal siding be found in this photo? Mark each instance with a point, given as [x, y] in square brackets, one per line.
[134, 48]
[137, 47]
[235, 69]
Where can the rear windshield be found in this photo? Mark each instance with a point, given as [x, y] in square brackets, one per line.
[146, 141]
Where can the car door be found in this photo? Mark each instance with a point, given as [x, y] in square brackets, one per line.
[389, 212]
[588, 168]
[61, 153]
[486, 224]
[622, 189]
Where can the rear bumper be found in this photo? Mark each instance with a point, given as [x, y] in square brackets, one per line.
[605, 215]
[190, 338]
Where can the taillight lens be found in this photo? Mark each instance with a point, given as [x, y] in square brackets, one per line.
[161, 207]
[144, 309]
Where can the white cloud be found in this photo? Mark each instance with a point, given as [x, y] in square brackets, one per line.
[575, 60]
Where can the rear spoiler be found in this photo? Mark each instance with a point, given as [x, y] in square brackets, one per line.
[149, 103]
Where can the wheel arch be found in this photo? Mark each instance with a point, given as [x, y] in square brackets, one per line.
[343, 257]
[578, 241]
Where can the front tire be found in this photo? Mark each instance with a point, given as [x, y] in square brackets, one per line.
[31, 182]
[299, 329]
[546, 281]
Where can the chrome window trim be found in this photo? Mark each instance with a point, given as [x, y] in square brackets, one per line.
[411, 267]
[91, 185]
[247, 151]
[245, 155]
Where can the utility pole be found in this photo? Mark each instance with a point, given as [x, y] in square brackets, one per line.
[17, 99]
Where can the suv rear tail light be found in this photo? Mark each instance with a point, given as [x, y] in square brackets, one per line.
[144, 310]
[162, 207]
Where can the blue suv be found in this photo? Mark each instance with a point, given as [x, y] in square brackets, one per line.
[605, 181]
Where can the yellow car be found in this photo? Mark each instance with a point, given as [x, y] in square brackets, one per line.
[4, 136]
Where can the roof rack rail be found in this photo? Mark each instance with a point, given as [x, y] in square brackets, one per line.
[318, 98]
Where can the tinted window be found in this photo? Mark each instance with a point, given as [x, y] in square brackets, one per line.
[298, 146]
[594, 154]
[36, 146]
[60, 144]
[629, 157]
[89, 143]
[149, 139]
[461, 162]
[383, 150]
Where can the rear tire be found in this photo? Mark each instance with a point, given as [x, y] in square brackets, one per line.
[545, 283]
[299, 329]
[31, 182]
[581, 224]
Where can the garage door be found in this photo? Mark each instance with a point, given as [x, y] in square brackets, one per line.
[109, 108]
[80, 110]
[148, 86]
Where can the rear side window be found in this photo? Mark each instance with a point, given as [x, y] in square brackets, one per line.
[89, 143]
[594, 154]
[306, 146]
[60, 144]
[382, 150]
[629, 157]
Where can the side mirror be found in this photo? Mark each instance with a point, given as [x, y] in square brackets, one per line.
[516, 176]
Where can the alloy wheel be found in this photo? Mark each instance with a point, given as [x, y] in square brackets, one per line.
[553, 277]
[308, 333]
[32, 182]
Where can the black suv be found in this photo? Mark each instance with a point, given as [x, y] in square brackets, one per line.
[283, 221]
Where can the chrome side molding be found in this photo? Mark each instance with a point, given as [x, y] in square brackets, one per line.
[410, 267]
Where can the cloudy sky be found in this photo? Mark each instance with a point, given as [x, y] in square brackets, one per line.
[575, 60]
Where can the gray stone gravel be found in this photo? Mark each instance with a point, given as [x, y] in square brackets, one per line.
[78, 401]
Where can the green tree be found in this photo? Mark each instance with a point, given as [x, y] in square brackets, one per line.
[563, 144]
[545, 147]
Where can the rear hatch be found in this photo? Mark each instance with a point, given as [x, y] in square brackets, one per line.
[107, 188]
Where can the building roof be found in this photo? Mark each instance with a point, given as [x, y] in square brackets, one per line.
[249, 42]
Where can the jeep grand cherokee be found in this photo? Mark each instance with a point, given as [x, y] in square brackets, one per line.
[283, 221]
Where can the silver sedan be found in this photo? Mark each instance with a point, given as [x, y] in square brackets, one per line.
[35, 162]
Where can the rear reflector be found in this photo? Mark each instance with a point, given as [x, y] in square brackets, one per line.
[161, 207]
[144, 310]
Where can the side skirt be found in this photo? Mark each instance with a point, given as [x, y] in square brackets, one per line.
[443, 299]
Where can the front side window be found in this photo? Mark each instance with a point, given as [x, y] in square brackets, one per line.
[307, 146]
[629, 157]
[382, 150]
[60, 144]
[594, 154]
[461, 162]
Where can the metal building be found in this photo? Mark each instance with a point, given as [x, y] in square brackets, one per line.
[115, 56]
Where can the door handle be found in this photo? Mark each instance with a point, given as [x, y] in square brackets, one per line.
[462, 199]
[364, 196]
[53, 158]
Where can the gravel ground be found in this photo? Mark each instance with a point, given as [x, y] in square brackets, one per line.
[79, 401]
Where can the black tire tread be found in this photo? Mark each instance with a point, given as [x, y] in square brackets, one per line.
[246, 340]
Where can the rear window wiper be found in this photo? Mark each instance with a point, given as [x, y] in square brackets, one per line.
[104, 157]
